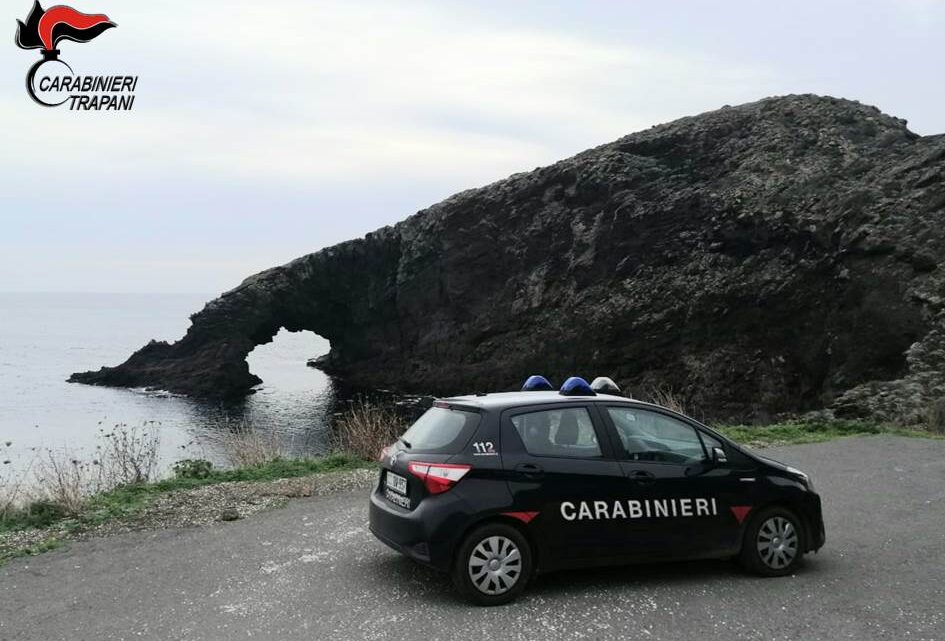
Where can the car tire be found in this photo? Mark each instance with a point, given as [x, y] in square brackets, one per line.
[493, 565]
[774, 543]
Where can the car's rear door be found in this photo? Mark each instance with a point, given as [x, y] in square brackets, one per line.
[562, 474]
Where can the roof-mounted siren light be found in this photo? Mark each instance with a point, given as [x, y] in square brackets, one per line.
[605, 385]
[576, 386]
[537, 384]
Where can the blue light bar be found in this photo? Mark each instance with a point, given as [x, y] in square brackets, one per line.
[537, 384]
[577, 386]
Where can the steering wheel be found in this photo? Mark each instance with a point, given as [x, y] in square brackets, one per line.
[656, 445]
[645, 450]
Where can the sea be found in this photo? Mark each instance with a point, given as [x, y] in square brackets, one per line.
[45, 337]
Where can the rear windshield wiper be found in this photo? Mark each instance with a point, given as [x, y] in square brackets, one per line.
[405, 442]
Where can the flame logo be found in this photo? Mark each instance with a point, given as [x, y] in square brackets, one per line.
[46, 28]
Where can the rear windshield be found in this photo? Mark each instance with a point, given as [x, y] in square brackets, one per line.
[441, 431]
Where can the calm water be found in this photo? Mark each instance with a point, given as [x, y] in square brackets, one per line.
[46, 337]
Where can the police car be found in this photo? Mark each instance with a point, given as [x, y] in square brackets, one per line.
[492, 488]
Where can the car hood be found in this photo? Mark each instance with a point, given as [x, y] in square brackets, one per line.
[773, 463]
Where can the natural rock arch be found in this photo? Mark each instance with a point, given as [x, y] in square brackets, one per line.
[780, 256]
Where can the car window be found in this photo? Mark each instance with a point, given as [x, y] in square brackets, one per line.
[441, 431]
[652, 436]
[711, 442]
[567, 432]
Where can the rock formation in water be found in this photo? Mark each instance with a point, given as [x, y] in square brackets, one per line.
[777, 257]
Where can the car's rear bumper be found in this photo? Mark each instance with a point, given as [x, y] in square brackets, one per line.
[419, 533]
[418, 552]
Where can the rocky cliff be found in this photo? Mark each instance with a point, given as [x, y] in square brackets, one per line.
[780, 256]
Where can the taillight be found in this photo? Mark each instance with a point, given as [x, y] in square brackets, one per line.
[438, 477]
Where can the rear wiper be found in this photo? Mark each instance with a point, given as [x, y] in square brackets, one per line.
[405, 442]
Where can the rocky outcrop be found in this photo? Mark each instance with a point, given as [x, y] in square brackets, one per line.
[781, 256]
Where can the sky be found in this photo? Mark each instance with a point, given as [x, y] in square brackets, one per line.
[263, 131]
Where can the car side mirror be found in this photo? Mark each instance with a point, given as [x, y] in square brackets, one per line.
[718, 455]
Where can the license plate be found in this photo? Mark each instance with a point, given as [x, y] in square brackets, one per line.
[396, 482]
[397, 499]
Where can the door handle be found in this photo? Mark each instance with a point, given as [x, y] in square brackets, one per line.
[642, 477]
[529, 470]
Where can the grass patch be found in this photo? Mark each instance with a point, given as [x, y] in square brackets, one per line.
[128, 499]
[797, 432]
[38, 514]
[33, 550]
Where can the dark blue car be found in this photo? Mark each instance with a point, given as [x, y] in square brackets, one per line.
[495, 487]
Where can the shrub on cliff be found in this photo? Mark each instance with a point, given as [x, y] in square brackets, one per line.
[247, 446]
[936, 416]
[365, 429]
[190, 468]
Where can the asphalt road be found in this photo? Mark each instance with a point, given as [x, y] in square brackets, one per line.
[313, 571]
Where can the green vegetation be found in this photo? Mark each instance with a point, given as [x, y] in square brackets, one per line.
[37, 514]
[34, 550]
[193, 468]
[811, 431]
[128, 499]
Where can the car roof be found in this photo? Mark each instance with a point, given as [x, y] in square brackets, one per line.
[505, 400]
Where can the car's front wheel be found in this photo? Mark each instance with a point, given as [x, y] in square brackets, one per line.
[493, 564]
[774, 543]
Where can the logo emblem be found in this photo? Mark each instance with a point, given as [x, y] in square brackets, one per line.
[45, 29]
[740, 512]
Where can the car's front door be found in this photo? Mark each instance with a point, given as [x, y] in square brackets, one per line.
[563, 478]
[686, 499]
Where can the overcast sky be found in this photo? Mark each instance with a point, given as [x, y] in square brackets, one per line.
[266, 130]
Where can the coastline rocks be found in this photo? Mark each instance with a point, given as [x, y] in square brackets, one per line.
[777, 257]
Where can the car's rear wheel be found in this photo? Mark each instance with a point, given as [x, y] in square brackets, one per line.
[774, 543]
[493, 564]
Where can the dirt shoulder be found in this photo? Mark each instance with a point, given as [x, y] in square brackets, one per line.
[190, 507]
